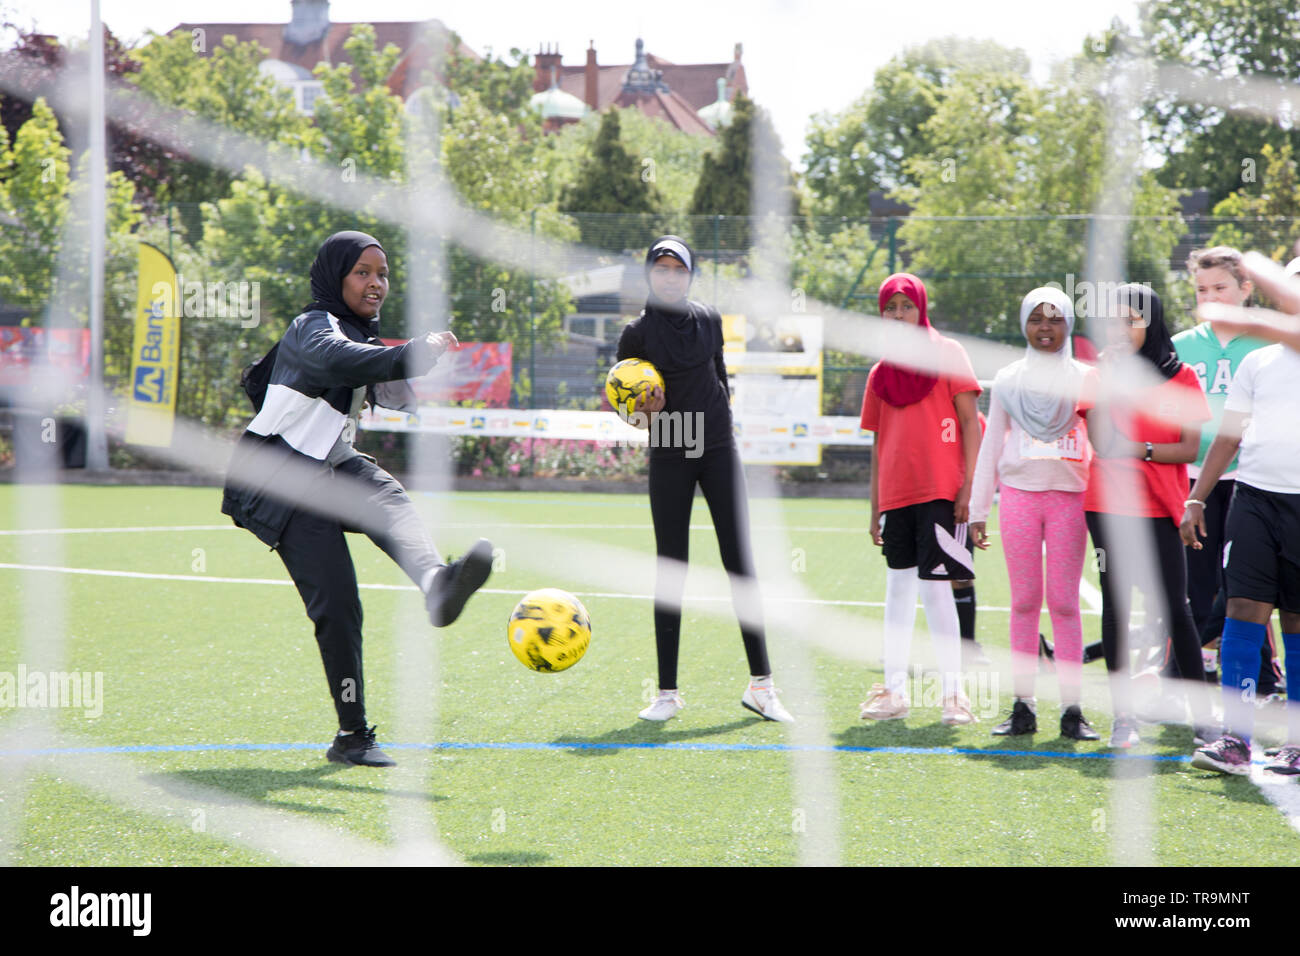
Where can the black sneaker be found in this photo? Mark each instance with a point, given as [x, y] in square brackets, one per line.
[1046, 653]
[359, 750]
[1075, 726]
[1022, 721]
[453, 585]
[1093, 652]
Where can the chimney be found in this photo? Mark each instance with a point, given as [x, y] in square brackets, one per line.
[310, 22]
[592, 93]
[543, 63]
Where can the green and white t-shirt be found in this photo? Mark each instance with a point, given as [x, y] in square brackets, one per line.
[1215, 364]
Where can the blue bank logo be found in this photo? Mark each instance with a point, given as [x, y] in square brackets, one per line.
[150, 384]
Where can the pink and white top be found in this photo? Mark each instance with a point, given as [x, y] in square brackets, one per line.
[1010, 455]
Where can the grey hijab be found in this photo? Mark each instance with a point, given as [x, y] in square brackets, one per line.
[1040, 391]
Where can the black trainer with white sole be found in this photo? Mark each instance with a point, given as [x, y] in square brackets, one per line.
[455, 584]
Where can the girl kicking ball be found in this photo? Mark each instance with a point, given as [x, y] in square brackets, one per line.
[297, 483]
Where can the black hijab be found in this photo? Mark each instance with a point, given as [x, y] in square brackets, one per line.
[1157, 347]
[335, 259]
[679, 329]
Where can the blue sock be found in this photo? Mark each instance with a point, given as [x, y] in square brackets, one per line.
[1239, 652]
[1291, 649]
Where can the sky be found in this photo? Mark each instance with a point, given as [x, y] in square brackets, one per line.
[801, 56]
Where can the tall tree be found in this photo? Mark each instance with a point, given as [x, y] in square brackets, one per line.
[1019, 150]
[1227, 41]
[666, 157]
[866, 146]
[609, 184]
[726, 185]
[1267, 218]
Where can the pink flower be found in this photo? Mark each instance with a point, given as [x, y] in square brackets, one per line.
[476, 473]
[514, 469]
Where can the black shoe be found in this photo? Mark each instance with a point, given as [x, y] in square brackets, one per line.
[1093, 652]
[453, 585]
[358, 749]
[1075, 726]
[1022, 721]
[1046, 648]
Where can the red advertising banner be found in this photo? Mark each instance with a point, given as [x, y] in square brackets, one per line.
[21, 348]
[475, 372]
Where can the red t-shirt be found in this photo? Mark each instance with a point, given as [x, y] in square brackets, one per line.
[919, 445]
[1147, 489]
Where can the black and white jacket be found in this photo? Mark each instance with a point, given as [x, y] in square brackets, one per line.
[320, 361]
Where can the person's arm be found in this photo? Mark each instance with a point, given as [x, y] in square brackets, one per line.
[1222, 450]
[1282, 327]
[1108, 442]
[968, 419]
[875, 491]
[986, 473]
[330, 359]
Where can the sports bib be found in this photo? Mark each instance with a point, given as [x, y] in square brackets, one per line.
[1069, 447]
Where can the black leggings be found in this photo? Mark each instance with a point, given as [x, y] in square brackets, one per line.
[1120, 569]
[314, 551]
[672, 493]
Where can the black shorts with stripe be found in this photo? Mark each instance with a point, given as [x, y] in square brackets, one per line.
[1261, 551]
[926, 537]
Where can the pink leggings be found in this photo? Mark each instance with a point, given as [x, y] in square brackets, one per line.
[1027, 519]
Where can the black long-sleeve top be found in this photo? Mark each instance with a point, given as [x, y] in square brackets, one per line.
[686, 348]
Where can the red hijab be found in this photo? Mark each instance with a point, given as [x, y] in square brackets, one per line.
[894, 384]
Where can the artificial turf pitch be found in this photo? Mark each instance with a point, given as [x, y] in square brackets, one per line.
[525, 768]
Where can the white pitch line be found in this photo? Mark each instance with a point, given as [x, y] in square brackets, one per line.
[1281, 791]
[213, 579]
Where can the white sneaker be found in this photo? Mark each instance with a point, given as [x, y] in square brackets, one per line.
[663, 707]
[764, 702]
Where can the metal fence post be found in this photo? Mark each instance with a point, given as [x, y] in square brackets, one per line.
[892, 228]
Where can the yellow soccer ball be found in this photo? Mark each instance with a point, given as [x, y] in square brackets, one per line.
[627, 381]
[549, 630]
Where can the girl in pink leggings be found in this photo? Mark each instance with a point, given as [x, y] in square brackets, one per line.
[1036, 446]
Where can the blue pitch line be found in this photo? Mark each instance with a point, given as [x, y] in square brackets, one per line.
[588, 745]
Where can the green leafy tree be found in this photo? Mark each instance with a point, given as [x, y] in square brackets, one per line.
[726, 182]
[226, 88]
[609, 187]
[1004, 147]
[1228, 41]
[866, 146]
[499, 170]
[1268, 219]
[664, 156]
[500, 85]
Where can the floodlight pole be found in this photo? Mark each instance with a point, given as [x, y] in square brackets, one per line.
[96, 439]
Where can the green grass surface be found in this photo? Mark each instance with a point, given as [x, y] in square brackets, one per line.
[189, 662]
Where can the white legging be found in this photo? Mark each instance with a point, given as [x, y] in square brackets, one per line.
[901, 588]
